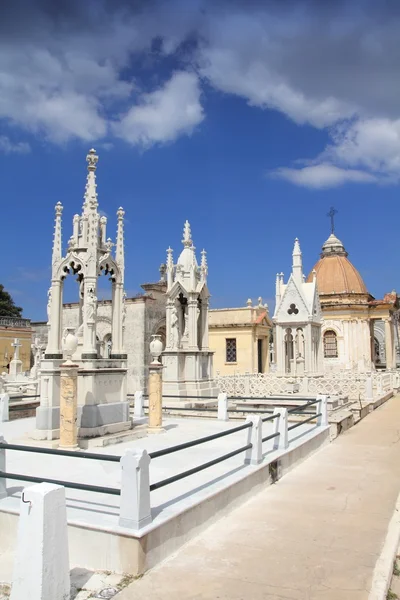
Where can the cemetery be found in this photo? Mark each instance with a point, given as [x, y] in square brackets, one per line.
[118, 478]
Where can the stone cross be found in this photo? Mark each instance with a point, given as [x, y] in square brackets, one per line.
[332, 214]
[16, 345]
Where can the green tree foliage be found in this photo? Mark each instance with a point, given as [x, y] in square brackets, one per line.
[7, 306]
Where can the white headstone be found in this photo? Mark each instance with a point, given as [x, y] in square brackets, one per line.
[41, 567]
[4, 405]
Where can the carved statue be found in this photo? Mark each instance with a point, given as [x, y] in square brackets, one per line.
[300, 343]
[91, 306]
[174, 328]
[185, 335]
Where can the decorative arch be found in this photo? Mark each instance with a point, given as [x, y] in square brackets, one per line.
[330, 340]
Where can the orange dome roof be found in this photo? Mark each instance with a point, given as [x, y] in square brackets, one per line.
[335, 273]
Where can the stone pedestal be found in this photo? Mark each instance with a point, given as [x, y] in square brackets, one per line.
[188, 373]
[155, 398]
[69, 406]
[102, 403]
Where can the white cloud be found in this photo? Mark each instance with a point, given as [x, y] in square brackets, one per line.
[9, 147]
[323, 176]
[164, 114]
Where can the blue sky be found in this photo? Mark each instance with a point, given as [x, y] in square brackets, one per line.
[249, 120]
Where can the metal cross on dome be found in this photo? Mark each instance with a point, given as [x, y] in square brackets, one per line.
[332, 214]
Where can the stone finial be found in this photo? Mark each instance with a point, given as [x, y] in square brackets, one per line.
[119, 247]
[314, 274]
[187, 235]
[92, 160]
[120, 213]
[204, 265]
[260, 304]
[170, 261]
[249, 302]
[162, 269]
[57, 239]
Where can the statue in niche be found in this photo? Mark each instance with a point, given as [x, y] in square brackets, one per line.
[174, 341]
[185, 335]
[300, 343]
[49, 305]
[91, 307]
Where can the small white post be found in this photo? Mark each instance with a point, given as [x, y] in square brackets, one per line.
[322, 407]
[253, 455]
[4, 407]
[281, 441]
[3, 487]
[223, 407]
[369, 392]
[135, 509]
[138, 408]
[41, 566]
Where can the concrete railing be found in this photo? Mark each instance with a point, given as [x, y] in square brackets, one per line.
[135, 491]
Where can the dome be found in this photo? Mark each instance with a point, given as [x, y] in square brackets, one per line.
[187, 259]
[335, 273]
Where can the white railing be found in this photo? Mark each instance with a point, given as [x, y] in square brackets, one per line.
[342, 383]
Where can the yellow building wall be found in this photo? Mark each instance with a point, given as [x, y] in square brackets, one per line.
[7, 336]
[246, 349]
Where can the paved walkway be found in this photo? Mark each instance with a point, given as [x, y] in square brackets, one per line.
[315, 535]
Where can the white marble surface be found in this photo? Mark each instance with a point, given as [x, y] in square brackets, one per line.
[101, 510]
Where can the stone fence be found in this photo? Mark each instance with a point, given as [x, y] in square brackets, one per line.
[352, 385]
[15, 322]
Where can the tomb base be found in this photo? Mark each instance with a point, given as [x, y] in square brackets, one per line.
[188, 373]
[102, 404]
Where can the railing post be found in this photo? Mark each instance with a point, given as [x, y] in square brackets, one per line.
[322, 407]
[3, 487]
[135, 510]
[223, 407]
[138, 409]
[253, 455]
[4, 407]
[281, 442]
[369, 392]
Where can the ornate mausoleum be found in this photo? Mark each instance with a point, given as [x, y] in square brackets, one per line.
[358, 332]
[102, 405]
[297, 322]
[187, 359]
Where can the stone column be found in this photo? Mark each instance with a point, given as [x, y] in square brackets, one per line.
[168, 319]
[204, 324]
[68, 406]
[89, 319]
[192, 324]
[155, 398]
[116, 336]
[389, 343]
[53, 349]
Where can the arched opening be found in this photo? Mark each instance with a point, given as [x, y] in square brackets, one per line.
[330, 344]
[378, 358]
[289, 350]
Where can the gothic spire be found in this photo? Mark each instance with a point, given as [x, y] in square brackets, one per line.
[119, 249]
[90, 199]
[204, 265]
[297, 262]
[187, 235]
[57, 241]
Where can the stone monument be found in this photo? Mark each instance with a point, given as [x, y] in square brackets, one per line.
[297, 320]
[187, 359]
[102, 404]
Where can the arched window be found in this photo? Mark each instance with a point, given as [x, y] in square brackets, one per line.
[330, 344]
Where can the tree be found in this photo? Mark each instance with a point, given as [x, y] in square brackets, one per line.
[7, 306]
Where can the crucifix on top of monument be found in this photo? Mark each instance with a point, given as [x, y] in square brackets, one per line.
[16, 363]
[331, 214]
[88, 255]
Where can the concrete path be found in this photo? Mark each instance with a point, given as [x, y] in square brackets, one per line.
[315, 535]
